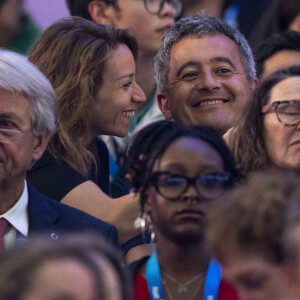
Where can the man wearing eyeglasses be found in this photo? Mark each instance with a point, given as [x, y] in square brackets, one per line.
[149, 20]
[205, 73]
[27, 119]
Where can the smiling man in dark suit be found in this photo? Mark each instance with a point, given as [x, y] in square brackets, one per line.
[27, 120]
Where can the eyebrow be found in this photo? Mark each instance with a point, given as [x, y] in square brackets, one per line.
[225, 60]
[187, 64]
[125, 76]
[193, 63]
[9, 116]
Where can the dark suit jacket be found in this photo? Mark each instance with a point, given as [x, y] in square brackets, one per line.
[54, 218]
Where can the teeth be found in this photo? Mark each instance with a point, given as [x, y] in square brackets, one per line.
[205, 103]
[128, 114]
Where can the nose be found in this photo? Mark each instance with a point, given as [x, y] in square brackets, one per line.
[208, 82]
[168, 10]
[191, 195]
[138, 94]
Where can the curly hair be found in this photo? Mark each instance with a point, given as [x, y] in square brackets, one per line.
[153, 140]
[72, 53]
[247, 142]
[251, 217]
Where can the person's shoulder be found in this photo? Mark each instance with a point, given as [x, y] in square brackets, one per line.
[69, 218]
[227, 291]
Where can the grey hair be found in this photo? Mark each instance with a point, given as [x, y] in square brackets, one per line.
[198, 26]
[18, 75]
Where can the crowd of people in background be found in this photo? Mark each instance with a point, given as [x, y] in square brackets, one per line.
[150, 149]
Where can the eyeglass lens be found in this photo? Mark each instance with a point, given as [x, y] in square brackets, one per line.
[9, 136]
[172, 187]
[289, 112]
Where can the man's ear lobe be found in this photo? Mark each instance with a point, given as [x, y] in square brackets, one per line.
[40, 145]
[100, 12]
[164, 105]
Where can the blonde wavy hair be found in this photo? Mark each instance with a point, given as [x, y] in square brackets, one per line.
[72, 53]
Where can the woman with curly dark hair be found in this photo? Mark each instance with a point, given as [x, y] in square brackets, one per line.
[177, 172]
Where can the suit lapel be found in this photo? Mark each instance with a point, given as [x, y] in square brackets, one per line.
[41, 214]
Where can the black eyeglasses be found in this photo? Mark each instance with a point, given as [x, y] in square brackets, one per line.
[154, 7]
[173, 186]
[287, 111]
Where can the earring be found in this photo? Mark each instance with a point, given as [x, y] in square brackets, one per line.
[144, 223]
[152, 233]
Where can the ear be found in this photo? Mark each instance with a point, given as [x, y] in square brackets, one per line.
[253, 84]
[39, 145]
[164, 106]
[101, 12]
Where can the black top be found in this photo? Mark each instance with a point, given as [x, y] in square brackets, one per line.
[56, 179]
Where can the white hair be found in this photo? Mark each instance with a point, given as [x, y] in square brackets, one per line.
[18, 75]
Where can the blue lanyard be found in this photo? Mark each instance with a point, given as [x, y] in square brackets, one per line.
[211, 286]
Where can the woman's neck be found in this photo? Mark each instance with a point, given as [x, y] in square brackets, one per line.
[182, 260]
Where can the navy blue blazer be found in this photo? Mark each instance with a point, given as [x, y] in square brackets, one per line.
[54, 218]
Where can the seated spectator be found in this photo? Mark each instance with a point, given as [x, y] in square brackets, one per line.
[92, 69]
[205, 73]
[177, 171]
[268, 134]
[17, 30]
[245, 229]
[279, 51]
[81, 267]
[27, 119]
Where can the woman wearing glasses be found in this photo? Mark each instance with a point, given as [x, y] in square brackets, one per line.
[269, 134]
[177, 171]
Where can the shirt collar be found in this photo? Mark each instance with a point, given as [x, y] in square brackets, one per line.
[17, 216]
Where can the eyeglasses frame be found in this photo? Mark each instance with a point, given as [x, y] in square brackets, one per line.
[190, 181]
[266, 109]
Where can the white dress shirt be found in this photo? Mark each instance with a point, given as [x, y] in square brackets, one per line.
[17, 216]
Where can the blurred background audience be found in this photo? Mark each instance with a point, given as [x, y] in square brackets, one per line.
[245, 232]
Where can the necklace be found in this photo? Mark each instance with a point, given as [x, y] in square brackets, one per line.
[182, 287]
[170, 295]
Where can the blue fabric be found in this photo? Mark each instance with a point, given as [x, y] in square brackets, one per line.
[54, 218]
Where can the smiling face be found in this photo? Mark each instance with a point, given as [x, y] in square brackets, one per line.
[16, 158]
[282, 142]
[254, 276]
[182, 220]
[207, 84]
[119, 96]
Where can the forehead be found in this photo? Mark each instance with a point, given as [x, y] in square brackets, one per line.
[280, 60]
[191, 152]
[119, 60]
[287, 89]
[204, 50]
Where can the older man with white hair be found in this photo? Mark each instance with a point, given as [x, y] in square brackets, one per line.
[27, 120]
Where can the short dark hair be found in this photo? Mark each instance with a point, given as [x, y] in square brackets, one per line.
[289, 40]
[79, 8]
